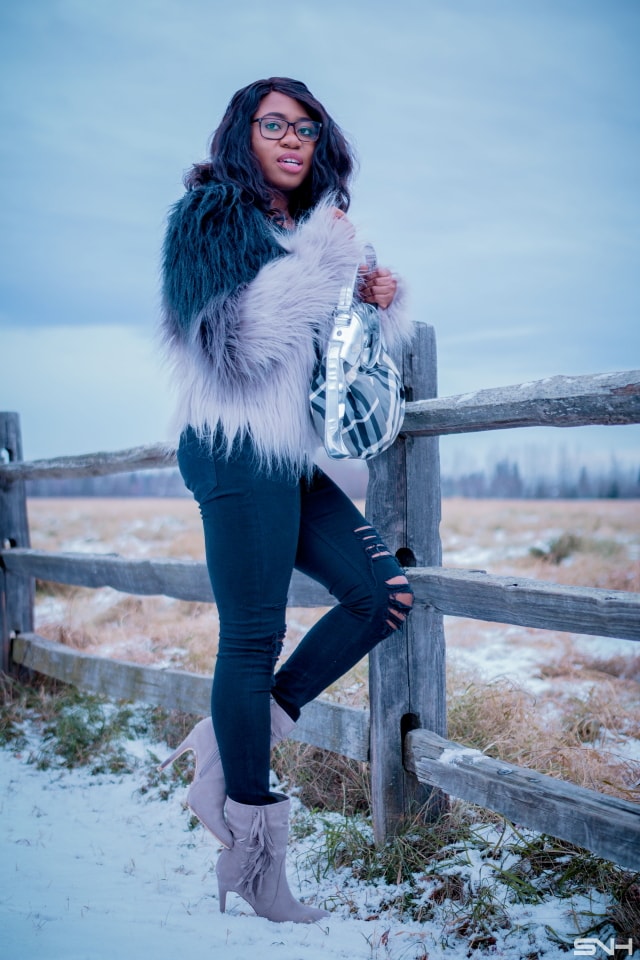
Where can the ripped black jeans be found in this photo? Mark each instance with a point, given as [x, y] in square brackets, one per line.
[258, 526]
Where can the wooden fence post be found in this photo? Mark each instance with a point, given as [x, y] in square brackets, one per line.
[17, 592]
[407, 670]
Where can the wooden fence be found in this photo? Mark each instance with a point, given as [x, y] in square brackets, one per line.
[403, 733]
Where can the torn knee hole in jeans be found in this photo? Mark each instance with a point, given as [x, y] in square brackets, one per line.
[400, 601]
[374, 548]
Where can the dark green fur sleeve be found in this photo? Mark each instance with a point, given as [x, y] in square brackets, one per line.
[215, 244]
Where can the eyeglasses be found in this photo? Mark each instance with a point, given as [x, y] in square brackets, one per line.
[276, 128]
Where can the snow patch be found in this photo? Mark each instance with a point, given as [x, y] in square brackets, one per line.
[453, 755]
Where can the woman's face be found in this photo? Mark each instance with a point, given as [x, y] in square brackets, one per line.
[285, 163]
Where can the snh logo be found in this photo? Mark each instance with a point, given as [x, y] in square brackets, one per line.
[589, 947]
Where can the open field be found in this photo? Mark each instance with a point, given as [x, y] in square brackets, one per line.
[592, 543]
[563, 703]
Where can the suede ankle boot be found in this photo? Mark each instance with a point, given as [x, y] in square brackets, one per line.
[255, 866]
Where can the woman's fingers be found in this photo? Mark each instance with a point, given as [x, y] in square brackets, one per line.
[379, 287]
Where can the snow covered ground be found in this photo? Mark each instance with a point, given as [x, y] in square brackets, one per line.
[91, 868]
[94, 868]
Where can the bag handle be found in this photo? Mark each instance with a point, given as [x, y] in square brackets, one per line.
[335, 384]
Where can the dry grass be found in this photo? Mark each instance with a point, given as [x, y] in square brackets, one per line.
[600, 539]
[324, 780]
[592, 543]
[569, 737]
[132, 527]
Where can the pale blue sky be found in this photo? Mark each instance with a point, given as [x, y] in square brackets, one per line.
[499, 166]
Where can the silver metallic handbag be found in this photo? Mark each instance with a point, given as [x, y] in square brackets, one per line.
[356, 395]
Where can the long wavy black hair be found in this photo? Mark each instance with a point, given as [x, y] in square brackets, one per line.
[231, 158]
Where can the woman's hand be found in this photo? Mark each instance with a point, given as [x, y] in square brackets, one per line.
[376, 286]
[379, 286]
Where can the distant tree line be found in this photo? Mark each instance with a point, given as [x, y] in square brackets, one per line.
[503, 481]
[140, 483]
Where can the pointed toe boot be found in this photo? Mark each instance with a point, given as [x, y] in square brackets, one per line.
[255, 866]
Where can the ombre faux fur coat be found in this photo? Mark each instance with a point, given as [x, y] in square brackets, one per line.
[244, 303]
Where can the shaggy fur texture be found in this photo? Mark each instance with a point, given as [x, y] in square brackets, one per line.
[243, 305]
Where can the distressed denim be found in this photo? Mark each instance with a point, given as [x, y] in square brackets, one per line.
[258, 526]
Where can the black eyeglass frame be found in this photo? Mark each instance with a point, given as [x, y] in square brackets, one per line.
[316, 123]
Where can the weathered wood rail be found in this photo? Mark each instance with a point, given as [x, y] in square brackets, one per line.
[333, 727]
[458, 593]
[403, 734]
[606, 825]
[603, 398]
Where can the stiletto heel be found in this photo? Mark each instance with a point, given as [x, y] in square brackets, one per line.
[207, 793]
[222, 896]
[187, 744]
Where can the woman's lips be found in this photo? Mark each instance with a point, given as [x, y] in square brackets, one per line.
[290, 162]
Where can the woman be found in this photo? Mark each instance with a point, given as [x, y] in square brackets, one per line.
[254, 258]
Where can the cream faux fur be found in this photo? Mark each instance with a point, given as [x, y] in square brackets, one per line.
[257, 379]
